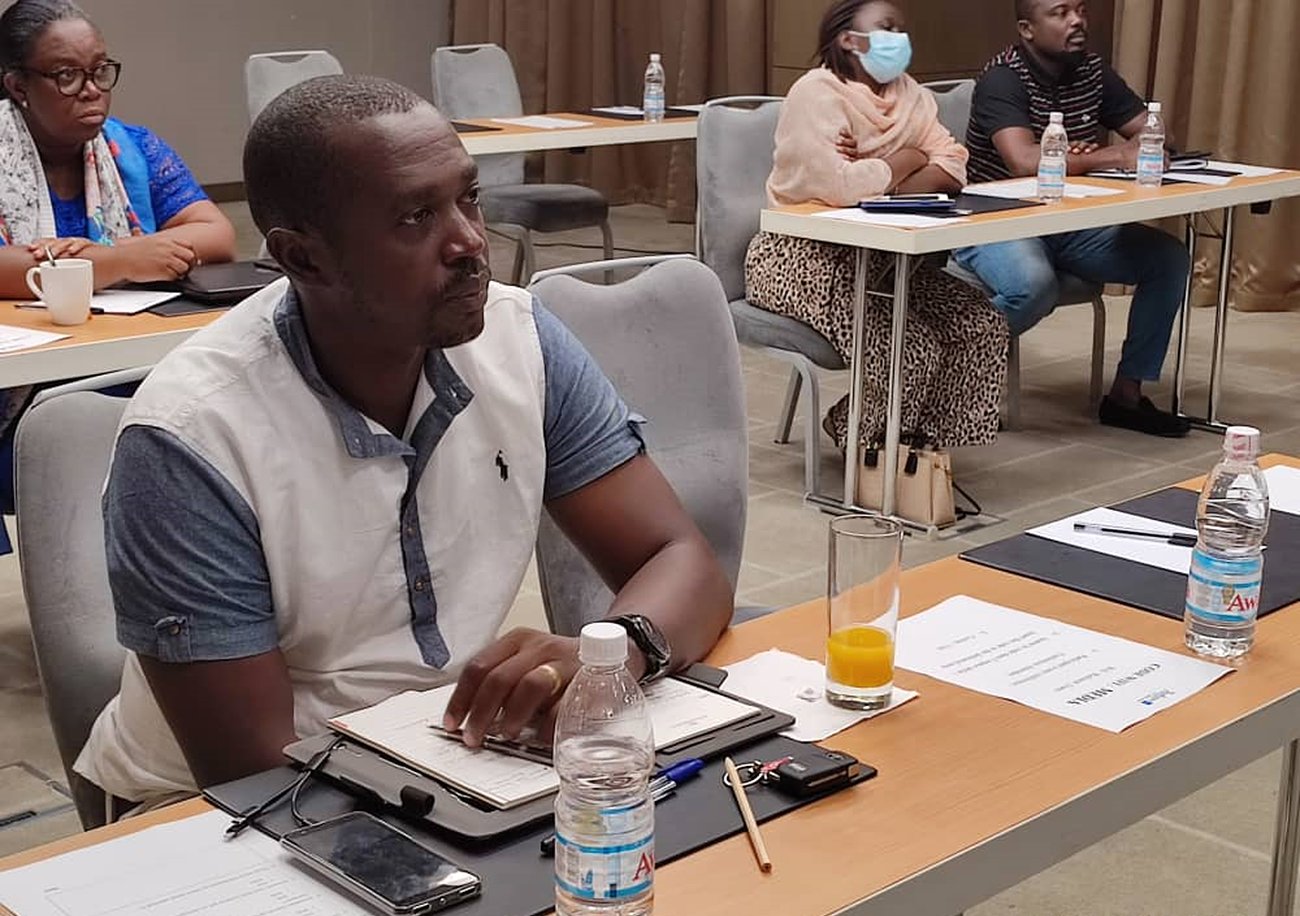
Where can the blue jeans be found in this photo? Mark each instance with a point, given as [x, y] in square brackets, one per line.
[1022, 275]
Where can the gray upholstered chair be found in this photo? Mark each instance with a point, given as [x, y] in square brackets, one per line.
[267, 75]
[61, 457]
[478, 81]
[666, 341]
[954, 98]
[732, 161]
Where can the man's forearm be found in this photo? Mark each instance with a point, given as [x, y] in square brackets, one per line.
[683, 590]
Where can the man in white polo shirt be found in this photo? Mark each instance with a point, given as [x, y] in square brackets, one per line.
[331, 494]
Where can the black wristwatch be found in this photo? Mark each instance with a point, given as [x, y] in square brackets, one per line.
[651, 641]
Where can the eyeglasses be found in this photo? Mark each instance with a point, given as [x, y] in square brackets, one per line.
[71, 80]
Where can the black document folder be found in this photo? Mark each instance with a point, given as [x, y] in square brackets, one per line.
[1127, 582]
[517, 879]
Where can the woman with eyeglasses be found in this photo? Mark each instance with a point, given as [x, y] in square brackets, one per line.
[80, 182]
[859, 127]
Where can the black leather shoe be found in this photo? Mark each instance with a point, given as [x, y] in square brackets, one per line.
[1144, 418]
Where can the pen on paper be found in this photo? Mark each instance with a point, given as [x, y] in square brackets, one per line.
[1177, 538]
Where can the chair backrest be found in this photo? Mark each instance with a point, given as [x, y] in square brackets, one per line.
[954, 98]
[478, 81]
[666, 340]
[61, 457]
[267, 75]
[733, 157]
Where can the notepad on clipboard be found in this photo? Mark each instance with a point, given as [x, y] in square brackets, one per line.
[400, 728]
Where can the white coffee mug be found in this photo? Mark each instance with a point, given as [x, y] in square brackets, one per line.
[65, 287]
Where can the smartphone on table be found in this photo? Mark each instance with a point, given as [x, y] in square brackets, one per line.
[381, 864]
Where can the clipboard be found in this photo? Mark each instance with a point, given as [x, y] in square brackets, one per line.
[371, 775]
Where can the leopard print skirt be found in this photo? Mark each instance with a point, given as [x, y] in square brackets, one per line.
[954, 348]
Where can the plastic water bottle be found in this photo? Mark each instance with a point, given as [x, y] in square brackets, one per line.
[1051, 159]
[1151, 149]
[1228, 562]
[653, 102]
[604, 816]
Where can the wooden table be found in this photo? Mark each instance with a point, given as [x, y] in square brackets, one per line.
[1131, 205]
[975, 793]
[599, 131]
[105, 343]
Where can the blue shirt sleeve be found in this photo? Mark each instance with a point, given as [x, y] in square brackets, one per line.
[172, 186]
[589, 430]
[184, 551]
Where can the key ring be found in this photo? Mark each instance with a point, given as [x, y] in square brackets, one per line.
[753, 772]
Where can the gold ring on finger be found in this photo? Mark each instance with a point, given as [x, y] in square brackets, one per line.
[557, 680]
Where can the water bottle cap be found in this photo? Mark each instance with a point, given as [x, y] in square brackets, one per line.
[1241, 442]
[654, 58]
[1056, 117]
[1153, 107]
[603, 644]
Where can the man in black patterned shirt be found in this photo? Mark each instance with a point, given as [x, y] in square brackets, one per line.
[1051, 69]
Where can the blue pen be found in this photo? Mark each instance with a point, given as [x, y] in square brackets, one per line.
[677, 774]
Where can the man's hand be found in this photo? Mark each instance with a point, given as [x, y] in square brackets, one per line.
[1083, 149]
[514, 682]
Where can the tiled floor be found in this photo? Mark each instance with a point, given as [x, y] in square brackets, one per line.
[1205, 856]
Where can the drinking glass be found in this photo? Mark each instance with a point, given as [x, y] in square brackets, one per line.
[862, 610]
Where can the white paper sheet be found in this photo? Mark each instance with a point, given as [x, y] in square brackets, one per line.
[400, 726]
[129, 301]
[1148, 552]
[781, 681]
[1283, 489]
[1241, 168]
[543, 122]
[12, 338]
[180, 869]
[899, 220]
[1069, 671]
[695, 106]
[1027, 189]
[621, 110]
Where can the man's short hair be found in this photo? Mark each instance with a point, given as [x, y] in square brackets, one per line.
[1025, 9]
[291, 177]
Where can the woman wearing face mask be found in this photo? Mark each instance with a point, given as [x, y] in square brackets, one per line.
[857, 127]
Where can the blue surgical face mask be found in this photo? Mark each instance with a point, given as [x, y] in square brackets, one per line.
[888, 57]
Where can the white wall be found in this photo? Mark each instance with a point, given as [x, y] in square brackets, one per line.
[183, 60]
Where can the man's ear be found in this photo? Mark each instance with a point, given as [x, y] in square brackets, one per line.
[303, 256]
[1026, 29]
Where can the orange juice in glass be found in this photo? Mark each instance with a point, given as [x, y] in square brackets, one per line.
[862, 608]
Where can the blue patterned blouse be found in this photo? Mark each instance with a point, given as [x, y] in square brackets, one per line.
[172, 187]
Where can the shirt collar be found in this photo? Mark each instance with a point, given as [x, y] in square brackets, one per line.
[359, 438]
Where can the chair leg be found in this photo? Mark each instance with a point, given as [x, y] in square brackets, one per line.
[517, 271]
[607, 235]
[784, 425]
[1012, 421]
[1098, 350]
[812, 452]
[530, 257]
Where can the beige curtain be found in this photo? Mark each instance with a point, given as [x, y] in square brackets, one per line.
[1228, 73]
[572, 54]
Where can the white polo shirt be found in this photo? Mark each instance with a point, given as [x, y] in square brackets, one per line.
[249, 507]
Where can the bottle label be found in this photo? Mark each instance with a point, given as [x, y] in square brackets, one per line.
[1151, 164]
[1224, 590]
[591, 870]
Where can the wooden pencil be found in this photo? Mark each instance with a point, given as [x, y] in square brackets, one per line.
[747, 814]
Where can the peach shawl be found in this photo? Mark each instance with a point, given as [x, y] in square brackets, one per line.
[808, 167]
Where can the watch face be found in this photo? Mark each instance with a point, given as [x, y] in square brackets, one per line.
[648, 638]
